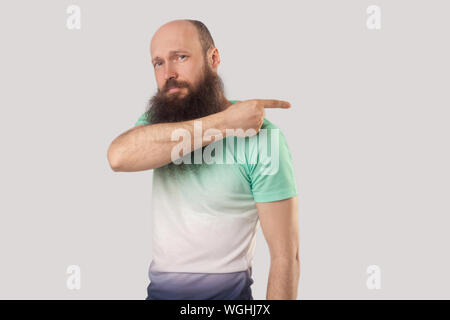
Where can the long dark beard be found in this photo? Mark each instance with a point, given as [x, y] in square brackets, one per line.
[208, 98]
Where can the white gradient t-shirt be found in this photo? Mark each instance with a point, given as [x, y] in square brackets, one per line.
[205, 220]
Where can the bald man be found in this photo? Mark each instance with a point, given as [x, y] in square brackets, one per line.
[205, 213]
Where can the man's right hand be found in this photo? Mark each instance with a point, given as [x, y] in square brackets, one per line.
[245, 118]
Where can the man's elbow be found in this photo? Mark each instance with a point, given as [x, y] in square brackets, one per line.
[114, 159]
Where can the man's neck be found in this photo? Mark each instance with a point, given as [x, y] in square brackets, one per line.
[227, 103]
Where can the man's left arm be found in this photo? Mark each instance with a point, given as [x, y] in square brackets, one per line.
[279, 223]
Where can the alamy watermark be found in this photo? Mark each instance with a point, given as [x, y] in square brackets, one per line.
[264, 147]
[73, 21]
[73, 281]
[373, 282]
[373, 21]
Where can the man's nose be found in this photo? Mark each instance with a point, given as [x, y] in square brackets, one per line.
[170, 72]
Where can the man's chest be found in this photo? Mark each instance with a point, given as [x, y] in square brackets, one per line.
[209, 189]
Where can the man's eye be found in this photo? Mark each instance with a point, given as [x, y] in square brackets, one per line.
[182, 55]
[156, 63]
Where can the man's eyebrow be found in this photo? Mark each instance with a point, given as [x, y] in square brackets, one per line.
[171, 53]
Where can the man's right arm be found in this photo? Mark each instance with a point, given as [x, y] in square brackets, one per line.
[147, 147]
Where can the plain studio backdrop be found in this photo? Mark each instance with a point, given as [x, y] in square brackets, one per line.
[368, 132]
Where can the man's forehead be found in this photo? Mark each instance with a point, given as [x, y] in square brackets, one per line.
[171, 46]
[168, 39]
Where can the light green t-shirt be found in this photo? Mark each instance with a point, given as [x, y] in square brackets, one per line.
[205, 220]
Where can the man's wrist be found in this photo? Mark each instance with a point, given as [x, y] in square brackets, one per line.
[218, 122]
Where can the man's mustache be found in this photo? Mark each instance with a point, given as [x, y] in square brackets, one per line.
[170, 84]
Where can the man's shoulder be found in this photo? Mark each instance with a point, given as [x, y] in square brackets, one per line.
[269, 125]
[269, 135]
[270, 128]
[143, 119]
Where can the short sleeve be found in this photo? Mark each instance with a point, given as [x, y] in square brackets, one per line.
[272, 172]
[142, 120]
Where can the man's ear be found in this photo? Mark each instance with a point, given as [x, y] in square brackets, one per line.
[213, 58]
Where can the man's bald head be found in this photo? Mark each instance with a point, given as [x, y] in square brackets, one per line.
[187, 27]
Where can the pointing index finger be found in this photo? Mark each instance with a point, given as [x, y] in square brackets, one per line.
[270, 103]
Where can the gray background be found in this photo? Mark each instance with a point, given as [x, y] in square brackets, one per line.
[368, 131]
